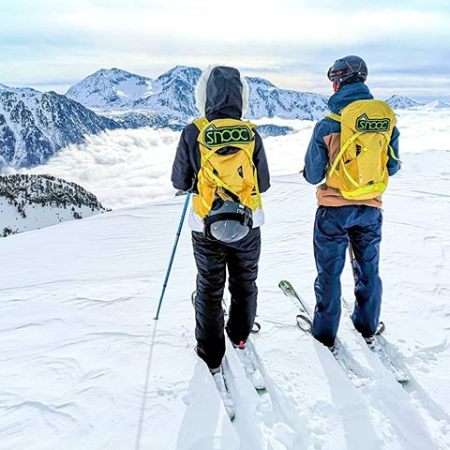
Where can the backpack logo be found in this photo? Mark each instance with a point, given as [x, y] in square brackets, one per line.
[363, 124]
[227, 135]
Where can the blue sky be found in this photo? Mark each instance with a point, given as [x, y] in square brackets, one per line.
[50, 44]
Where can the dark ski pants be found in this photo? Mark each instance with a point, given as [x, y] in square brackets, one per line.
[333, 229]
[213, 258]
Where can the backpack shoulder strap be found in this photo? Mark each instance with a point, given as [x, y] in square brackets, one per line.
[334, 116]
[201, 123]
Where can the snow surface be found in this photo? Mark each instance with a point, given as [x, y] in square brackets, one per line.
[83, 365]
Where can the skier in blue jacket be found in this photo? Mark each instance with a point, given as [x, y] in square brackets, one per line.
[340, 221]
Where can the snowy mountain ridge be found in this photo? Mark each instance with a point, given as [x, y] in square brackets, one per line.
[35, 125]
[110, 88]
[402, 102]
[437, 104]
[172, 93]
[30, 202]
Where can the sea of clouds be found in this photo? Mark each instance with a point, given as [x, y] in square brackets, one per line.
[130, 167]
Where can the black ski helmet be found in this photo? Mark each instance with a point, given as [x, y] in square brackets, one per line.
[348, 69]
[228, 221]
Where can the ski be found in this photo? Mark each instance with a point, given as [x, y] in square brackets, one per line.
[220, 380]
[247, 355]
[381, 348]
[304, 322]
[249, 362]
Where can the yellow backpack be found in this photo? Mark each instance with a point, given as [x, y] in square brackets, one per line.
[228, 175]
[359, 170]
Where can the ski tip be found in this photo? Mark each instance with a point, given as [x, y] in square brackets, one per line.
[304, 323]
[381, 328]
[285, 286]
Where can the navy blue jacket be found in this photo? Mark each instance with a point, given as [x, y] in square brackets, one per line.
[316, 158]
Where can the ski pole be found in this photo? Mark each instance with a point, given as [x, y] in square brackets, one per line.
[352, 258]
[172, 256]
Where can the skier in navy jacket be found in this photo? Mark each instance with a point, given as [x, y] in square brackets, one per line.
[340, 221]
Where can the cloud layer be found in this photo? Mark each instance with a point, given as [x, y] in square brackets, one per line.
[131, 167]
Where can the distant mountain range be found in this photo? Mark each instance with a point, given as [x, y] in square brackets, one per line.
[172, 94]
[30, 202]
[35, 125]
[402, 102]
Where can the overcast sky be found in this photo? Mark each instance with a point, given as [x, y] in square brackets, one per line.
[49, 44]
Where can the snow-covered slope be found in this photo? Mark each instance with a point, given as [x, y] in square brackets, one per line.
[110, 88]
[35, 125]
[84, 366]
[30, 202]
[402, 102]
[172, 95]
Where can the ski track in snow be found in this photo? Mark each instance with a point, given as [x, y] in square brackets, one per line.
[84, 365]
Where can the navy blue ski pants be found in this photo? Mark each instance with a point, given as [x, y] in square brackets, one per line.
[333, 228]
[213, 258]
